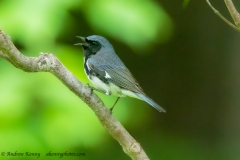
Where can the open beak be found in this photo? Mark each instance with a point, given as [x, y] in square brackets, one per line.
[82, 44]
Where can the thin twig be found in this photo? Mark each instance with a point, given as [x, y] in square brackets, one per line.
[49, 63]
[234, 13]
[222, 17]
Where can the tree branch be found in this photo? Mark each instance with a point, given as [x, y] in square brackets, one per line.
[49, 63]
[233, 12]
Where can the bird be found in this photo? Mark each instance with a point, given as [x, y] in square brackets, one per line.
[106, 71]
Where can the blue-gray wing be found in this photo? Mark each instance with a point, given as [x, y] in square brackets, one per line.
[119, 76]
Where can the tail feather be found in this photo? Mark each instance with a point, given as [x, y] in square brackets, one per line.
[151, 102]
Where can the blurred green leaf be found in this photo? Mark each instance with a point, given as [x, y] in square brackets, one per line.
[185, 3]
[137, 23]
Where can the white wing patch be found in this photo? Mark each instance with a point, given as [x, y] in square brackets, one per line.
[107, 75]
[87, 65]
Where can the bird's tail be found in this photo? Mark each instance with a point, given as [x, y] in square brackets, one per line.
[151, 102]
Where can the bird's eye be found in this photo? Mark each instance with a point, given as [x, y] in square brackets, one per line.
[93, 43]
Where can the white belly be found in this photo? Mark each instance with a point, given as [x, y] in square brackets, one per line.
[111, 89]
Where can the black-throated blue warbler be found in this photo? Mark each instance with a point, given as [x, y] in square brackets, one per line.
[107, 72]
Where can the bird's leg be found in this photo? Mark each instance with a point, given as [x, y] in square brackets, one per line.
[114, 104]
[96, 89]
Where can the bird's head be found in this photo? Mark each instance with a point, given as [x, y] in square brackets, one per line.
[93, 44]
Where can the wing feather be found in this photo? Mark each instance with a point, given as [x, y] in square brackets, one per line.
[120, 76]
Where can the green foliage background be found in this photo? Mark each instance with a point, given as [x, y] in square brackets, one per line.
[180, 57]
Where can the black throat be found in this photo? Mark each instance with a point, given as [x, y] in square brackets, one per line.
[88, 52]
[91, 49]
